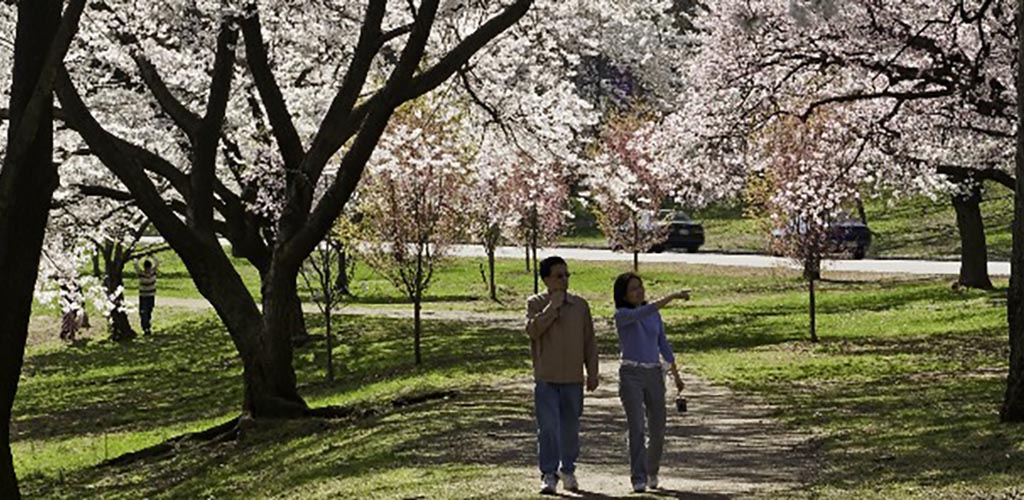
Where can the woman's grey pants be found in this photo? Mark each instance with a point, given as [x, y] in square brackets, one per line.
[643, 389]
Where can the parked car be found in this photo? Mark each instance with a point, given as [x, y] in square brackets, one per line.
[847, 236]
[682, 232]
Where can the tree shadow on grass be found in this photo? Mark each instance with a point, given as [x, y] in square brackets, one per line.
[171, 377]
[938, 431]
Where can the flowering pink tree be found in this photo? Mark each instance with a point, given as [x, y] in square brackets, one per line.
[807, 173]
[927, 82]
[93, 215]
[413, 202]
[628, 189]
[540, 193]
[490, 208]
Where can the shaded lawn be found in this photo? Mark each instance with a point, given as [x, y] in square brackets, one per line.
[902, 393]
[80, 404]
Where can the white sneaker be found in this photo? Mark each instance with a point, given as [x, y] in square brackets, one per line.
[548, 484]
[652, 482]
[569, 481]
[639, 487]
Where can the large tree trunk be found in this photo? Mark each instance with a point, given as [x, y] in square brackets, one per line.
[27, 182]
[296, 320]
[973, 252]
[271, 388]
[291, 309]
[119, 327]
[1013, 401]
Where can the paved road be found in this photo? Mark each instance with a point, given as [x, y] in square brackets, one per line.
[715, 259]
[883, 266]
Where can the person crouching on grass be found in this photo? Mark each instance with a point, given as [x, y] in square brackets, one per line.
[641, 379]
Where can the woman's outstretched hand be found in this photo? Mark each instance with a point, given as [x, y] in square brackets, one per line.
[681, 294]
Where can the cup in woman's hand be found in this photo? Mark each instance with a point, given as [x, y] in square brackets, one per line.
[681, 404]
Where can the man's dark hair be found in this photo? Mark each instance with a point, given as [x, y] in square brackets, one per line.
[146, 264]
[548, 263]
[620, 287]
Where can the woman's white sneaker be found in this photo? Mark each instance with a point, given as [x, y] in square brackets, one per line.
[569, 481]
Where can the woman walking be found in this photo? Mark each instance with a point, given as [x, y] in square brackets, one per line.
[641, 379]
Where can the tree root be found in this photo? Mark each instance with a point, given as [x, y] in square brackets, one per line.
[219, 433]
[231, 429]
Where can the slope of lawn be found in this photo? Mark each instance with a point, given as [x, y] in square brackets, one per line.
[901, 395]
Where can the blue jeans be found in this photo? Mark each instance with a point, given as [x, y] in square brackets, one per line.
[558, 408]
[146, 305]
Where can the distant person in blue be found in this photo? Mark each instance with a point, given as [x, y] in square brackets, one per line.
[641, 378]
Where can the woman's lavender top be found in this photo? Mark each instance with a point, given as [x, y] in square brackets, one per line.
[642, 334]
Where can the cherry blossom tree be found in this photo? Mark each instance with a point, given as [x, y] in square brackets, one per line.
[928, 82]
[491, 211]
[413, 202]
[95, 217]
[399, 54]
[808, 172]
[541, 198]
[628, 189]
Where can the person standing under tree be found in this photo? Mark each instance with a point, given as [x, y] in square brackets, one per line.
[562, 342]
[641, 377]
[147, 292]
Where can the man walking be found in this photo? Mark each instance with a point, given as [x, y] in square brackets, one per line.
[147, 292]
[562, 342]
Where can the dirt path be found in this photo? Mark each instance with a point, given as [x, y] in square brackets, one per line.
[725, 446]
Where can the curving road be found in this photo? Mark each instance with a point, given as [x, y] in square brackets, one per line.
[894, 266]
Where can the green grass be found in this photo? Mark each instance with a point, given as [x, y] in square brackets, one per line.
[917, 227]
[902, 392]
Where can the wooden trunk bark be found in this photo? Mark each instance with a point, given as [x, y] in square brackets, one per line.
[26, 187]
[490, 269]
[119, 327]
[271, 388]
[341, 284]
[417, 329]
[1013, 401]
[973, 250]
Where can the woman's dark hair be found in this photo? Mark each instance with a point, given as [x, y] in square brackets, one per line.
[620, 287]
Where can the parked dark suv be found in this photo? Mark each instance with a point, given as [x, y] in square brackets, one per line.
[683, 232]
